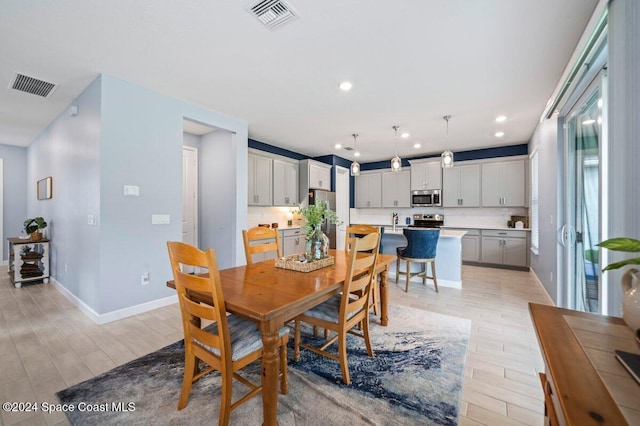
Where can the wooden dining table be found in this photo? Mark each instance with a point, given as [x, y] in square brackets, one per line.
[272, 296]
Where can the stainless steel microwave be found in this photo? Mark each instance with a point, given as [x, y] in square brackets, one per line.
[426, 198]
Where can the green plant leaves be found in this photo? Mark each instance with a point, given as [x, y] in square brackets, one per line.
[621, 244]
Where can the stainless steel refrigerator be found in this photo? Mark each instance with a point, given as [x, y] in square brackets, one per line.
[329, 199]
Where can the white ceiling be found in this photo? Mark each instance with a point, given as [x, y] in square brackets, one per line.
[411, 62]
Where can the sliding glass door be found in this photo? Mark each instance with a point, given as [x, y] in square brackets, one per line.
[581, 232]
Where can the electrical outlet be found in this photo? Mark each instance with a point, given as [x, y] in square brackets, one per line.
[144, 279]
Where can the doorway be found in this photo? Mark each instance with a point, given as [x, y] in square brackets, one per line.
[342, 205]
[190, 195]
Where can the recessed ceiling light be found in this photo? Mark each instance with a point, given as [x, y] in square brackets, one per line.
[356, 154]
[345, 86]
[417, 145]
[587, 122]
[499, 134]
[405, 135]
[500, 118]
[338, 146]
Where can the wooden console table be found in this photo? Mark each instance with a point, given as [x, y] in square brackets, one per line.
[583, 383]
[28, 261]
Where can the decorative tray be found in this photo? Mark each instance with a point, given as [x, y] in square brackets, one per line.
[292, 263]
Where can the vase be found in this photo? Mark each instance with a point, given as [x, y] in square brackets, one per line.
[317, 244]
[631, 298]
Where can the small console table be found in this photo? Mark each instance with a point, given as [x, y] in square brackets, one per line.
[583, 383]
[28, 261]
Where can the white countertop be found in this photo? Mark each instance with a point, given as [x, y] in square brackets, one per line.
[444, 233]
[499, 228]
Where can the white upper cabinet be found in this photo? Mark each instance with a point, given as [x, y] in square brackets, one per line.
[396, 189]
[314, 175]
[285, 183]
[426, 174]
[369, 190]
[461, 186]
[503, 184]
[260, 180]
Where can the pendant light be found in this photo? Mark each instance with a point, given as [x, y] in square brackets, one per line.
[447, 156]
[355, 166]
[396, 162]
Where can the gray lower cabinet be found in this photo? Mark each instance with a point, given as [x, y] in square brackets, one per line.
[504, 247]
[292, 241]
[471, 246]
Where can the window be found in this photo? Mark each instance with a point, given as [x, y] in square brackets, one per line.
[533, 210]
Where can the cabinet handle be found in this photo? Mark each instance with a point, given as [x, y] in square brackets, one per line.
[297, 241]
[320, 183]
[286, 200]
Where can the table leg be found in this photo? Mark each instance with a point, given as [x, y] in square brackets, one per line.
[384, 297]
[270, 371]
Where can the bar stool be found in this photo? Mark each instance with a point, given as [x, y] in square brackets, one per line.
[421, 248]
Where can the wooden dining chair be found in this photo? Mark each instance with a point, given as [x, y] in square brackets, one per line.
[359, 231]
[349, 311]
[421, 248]
[261, 240]
[228, 344]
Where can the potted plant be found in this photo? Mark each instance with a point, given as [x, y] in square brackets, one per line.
[34, 228]
[317, 246]
[629, 281]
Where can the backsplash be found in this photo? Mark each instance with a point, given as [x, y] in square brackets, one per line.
[280, 215]
[481, 217]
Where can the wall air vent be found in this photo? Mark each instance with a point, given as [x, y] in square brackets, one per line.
[272, 13]
[31, 85]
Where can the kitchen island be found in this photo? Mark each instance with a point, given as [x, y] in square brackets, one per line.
[448, 255]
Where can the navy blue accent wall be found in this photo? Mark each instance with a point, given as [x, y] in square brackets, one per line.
[476, 154]
[275, 150]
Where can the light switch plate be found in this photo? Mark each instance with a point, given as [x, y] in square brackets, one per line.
[131, 191]
[160, 219]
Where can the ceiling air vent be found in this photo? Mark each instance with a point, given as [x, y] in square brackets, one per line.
[272, 13]
[27, 84]
[348, 148]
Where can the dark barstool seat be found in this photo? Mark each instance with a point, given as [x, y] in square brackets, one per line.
[421, 248]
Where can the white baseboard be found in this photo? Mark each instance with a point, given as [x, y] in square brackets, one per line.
[544, 290]
[114, 315]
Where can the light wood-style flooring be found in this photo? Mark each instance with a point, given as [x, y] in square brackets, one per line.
[47, 344]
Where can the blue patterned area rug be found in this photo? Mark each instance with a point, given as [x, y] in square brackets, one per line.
[414, 378]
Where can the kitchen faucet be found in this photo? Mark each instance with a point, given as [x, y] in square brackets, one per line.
[394, 221]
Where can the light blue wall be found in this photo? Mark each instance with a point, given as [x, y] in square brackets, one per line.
[545, 141]
[14, 203]
[191, 140]
[68, 150]
[124, 135]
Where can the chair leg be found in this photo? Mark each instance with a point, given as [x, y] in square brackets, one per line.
[365, 332]
[342, 353]
[374, 295]
[284, 380]
[433, 272]
[406, 288]
[397, 269]
[424, 273]
[296, 341]
[225, 403]
[190, 362]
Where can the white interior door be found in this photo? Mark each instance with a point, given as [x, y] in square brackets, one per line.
[342, 205]
[190, 195]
